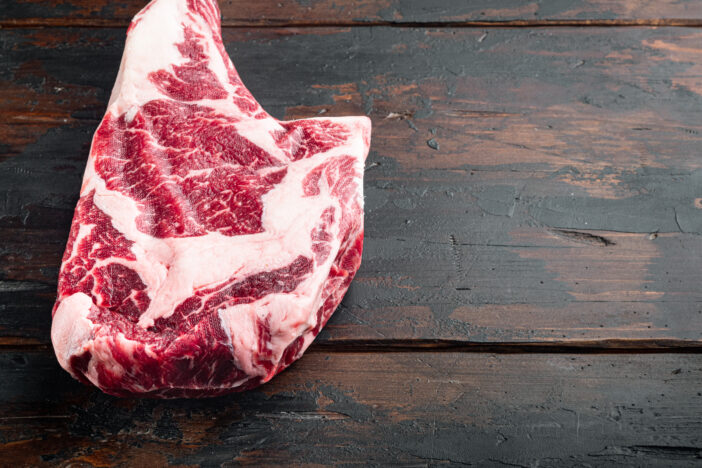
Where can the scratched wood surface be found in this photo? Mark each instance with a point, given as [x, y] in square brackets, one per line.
[404, 409]
[522, 185]
[529, 293]
[354, 12]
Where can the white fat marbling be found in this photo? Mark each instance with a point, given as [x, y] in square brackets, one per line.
[71, 331]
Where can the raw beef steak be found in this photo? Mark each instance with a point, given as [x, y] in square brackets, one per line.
[211, 242]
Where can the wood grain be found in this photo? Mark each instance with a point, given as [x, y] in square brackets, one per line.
[412, 409]
[482, 13]
[558, 202]
[529, 294]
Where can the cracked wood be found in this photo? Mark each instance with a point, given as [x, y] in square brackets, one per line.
[561, 206]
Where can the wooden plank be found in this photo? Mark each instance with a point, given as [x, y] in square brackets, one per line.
[348, 12]
[561, 204]
[411, 409]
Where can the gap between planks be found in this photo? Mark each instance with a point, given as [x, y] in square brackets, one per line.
[608, 346]
[242, 24]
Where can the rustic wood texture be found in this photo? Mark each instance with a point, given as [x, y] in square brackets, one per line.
[523, 186]
[530, 289]
[411, 409]
[352, 12]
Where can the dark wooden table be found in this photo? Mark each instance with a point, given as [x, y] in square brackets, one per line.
[531, 290]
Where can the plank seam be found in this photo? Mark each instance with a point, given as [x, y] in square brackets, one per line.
[234, 24]
[608, 346]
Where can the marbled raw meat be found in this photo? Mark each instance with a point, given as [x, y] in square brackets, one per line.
[211, 242]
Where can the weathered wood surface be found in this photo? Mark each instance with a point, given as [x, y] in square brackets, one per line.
[353, 12]
[538, 186]
[411, 409]
[529, 191]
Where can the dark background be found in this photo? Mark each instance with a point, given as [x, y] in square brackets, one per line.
[530, 293]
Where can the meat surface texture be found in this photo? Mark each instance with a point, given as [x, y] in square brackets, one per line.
[211, 242]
